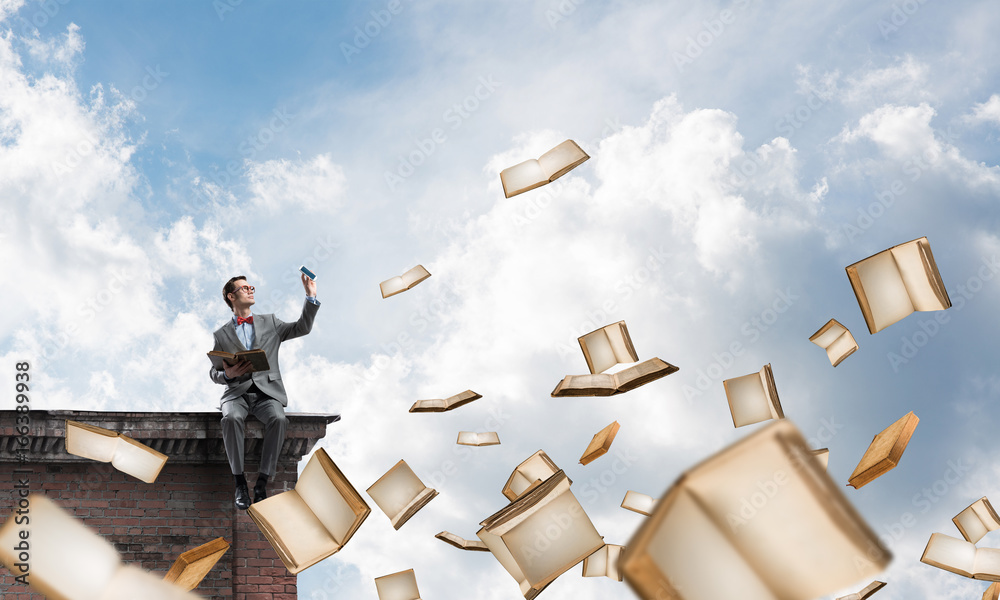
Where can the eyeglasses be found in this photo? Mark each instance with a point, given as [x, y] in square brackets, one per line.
[247, 289]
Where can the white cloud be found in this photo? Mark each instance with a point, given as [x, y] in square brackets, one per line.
[986, 112]
[315, 185]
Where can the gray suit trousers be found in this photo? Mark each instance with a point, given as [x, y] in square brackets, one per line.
[269, 412]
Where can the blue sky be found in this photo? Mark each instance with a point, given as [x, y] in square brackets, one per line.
[742, 153]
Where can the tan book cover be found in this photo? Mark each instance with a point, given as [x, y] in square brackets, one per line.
[608, 346]
[763, 513]
[604, 562]
[640, 503]
[864, 594]
[962, 557]
[257, 359]
[192, 566]
[609, 384]
[398, 285]
[124, 453]
[69, 561]
[314, 520]
[445, 404]
[977, 520]
[836, 340]
[528, 475]
[462, 543]
[992, 592]
[520, 535]
[472, 438]
[884, 452]
[600, 444]
[398, 586]
[550, 166]
[894, 283]
[400, 494]
[753, 398]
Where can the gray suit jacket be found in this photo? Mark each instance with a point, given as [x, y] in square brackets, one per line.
[269, 332]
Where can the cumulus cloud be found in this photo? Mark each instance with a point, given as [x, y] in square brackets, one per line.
[315, 185]
[986, 112]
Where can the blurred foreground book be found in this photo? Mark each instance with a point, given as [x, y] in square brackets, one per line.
[314, 520]
[124, 453]
[66, 560]
[836, 340]
[759, 520]
[398, 285]
[550, 166]
[884, 452]
[892, 284]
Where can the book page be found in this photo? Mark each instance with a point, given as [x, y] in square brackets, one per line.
[67, 558]
[327, 502]
[643, 373]
[89, 441]
[640, 503]
[398, 586]
[600, 384]
[560, 160]
[130, 583]
[827, 334]
[392, 286]
[986, 565]
[699, 561]
[503, 556]
[913, 272]
[415, 276]
[461, 399]
[841, 348]
[429, 405]
[138, 460]
[522, 177]
[541, 555]
[748, 402]
[471, 438]
[596, 565]
[302, 536]
[950, 554]
[883, 285]
[599, 351]
[971, 526]
[396, 490]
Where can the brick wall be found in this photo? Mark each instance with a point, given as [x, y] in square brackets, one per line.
[190, 503]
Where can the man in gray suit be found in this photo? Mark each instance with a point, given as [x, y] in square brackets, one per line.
[261, 393]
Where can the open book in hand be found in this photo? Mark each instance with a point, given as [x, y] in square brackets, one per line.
[314, 520]
[256, 358]
[70, 561]
[400, 494]
[836, 340]
[535, 173]
[192, 566]
[892, 284]
[759, 520]
[962, 557]
[124, 453]
[398, 285]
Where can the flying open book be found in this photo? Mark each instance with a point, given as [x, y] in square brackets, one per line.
[314, 520]
[604, 562]
[398, 285]
[192, 566]
[70, 561]
[753, 398]
[608, 346]
[528, 475]
[461, 543]
[439, 405]
[471, 438]
[892, 284]
[884, 452]
[124, 453]
[836, 340]
[400, 494]
[962, 557]
[257, 359]
[870, 589]
[398, 586]
[609, 384]
[977, 520]
[600, 444]
[518, 535]
[535, 173]
[759, 520]
[640, 503]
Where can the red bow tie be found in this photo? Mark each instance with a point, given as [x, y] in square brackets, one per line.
[241, 320]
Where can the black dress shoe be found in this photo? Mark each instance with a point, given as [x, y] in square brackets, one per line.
[242, 496]
[259, 492]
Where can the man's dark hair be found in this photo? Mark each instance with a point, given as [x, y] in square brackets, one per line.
[230, 288]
